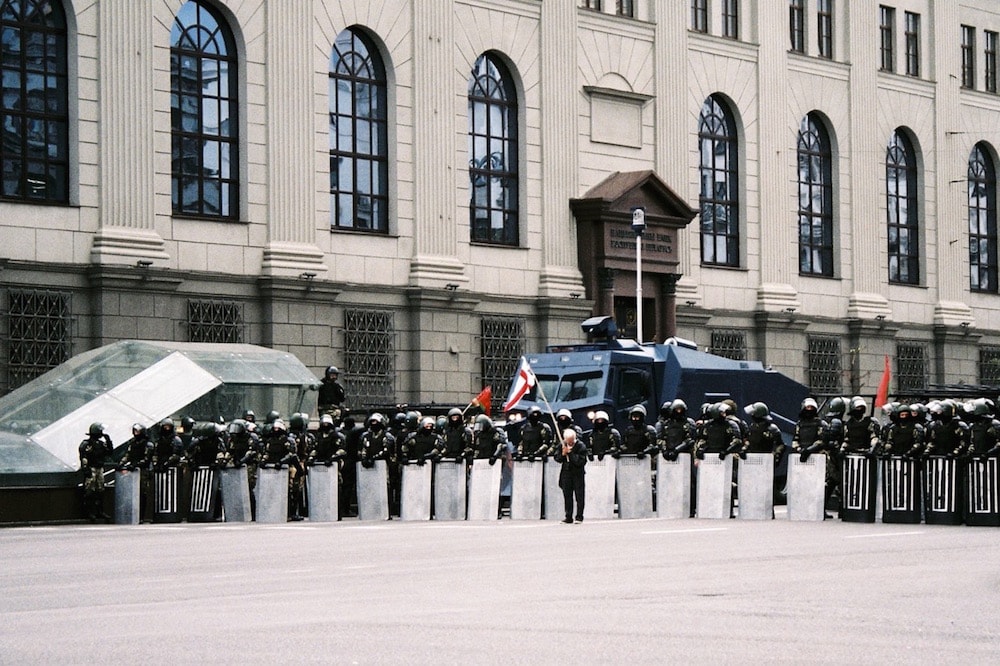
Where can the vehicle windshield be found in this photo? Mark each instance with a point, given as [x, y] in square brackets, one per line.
[568, 388]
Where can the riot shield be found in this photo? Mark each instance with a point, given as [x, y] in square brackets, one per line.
[526, 493]
[449, 490]
[857, 497]
[942, 491]
[673, 487]
[204, 495]
[484, 490]
[982, 492]
[235, 495]
[373, 491]
[900, 490]
[128, 497]
[635, 487]
[323, 487]
[599, 489]
[715, 487]
[756, 487]
[807, 487]
[415, 492]
[553, 505]
[272, 495]
[166, 487]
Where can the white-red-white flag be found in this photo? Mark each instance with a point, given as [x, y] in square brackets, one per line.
[524, 381]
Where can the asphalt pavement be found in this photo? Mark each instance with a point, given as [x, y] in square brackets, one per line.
[637, 591]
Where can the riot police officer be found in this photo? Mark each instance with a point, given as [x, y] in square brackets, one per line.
[904, 435]
[604, 438]
[376, 442]
[639, 437]
[763, 436]
[536, 436]
[423, 445]
[243, 448]
[675, 430]
[331, 394]
[984, 431]
[861, 431]
[138, 450]
[490, 442]
[457, 437]
[95, 451]
[167, 446]
[719, 435]
[810, 431]
[208, 445]
[947, 435]
[328, 445]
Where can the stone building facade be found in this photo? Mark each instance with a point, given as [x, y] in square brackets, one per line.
[167, 176]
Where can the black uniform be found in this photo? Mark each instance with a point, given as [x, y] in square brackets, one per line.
[457, 438]
[95, 452]
[604, 439]
[536, 437]
[489, 442]
[421, 446]
[571, 478]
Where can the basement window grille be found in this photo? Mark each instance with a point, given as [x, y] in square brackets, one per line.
[729, 344]
[502, 345]
[824, 365]
[989, 366]
[215, 321]
[38, 322]
[370, 357]
[911, 367]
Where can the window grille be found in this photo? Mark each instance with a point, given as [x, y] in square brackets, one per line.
[989, 366]
[215, 321]
[370, 357]
[824, 364]
[729, 344]
[911, 367]
[38, 333]
[502, 345]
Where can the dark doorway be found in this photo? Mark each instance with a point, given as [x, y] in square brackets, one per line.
[625, 317]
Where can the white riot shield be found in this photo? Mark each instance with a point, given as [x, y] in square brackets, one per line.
[272, 495]
[942, 488]
[323, 487]
[449, 490]
[554, 505]
[166, 495]
[373, 491]
[635, 487]
[235, 495]
[526, 493]
[415, 492]
[128, 497]
[204, 495]
[599, 489]
[756, 487]
[673, 487]
[484, 490]
[807, 487]
[715, 487]
[982, 505]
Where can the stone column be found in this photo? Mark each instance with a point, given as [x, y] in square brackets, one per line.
[559, 137]
[777, 266]
[291, 195]
[667, 323]
[127, 232]
[866, 156]
[605, 297]
[434, 261]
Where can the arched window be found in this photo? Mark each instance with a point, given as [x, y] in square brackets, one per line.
[720, 217]
[34, 114]
[901, 210]
[982, 221]
[815, 199]
[493, 153]
[203, 114]
[359, 164]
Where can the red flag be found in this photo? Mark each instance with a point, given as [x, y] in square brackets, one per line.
[882, 396]
[525, 380]
[484, 399]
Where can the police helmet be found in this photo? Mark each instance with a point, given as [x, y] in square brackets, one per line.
[298, 422]
[138, 430]
[187, 424]
[376, 421]
[248, 415]
[639, 410]
[441, 422]
[757, 410]
[167, 424]
[979, 407]
[237, 427]
[858, 405]
[273, 416]
[326, 420]
[399, 420]
[484, 423]
[809, 405]
[278, 426]
[665, 409]
[679, 405]
[412, 420]
[836, 407]
[601, 416]
[564, 414]
[332, 372]
[96, 429]
[427, 423]
[535, 414]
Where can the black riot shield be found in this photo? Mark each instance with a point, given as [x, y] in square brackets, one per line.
[857, 498]
[900, 490]
[982, 493]
[204, 495]
[942, 491]
[166, 495]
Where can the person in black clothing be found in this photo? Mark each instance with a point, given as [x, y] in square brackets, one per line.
[573, 456]
[95, 451]
[331, 394]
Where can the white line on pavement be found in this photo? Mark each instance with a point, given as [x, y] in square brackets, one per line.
[690, 531]
[883, 534]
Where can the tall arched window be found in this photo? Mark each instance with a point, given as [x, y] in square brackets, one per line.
[359, 163]
[982, 221]
[34, 114]
[203, 114]
[720, 213]
[901, 210]
[493, 153]
[815, 199]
